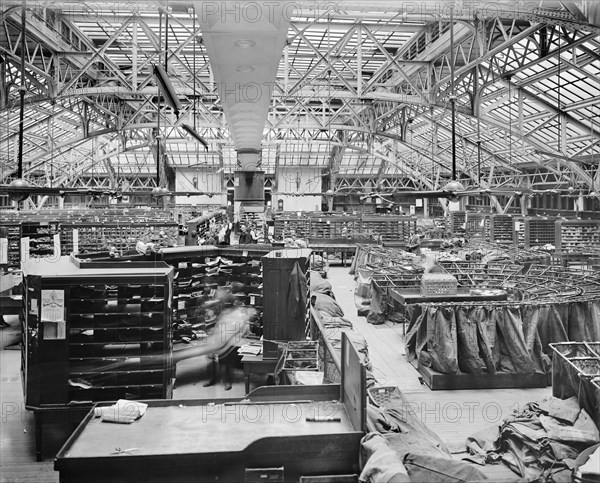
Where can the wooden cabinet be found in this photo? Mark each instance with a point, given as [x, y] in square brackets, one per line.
[96, 334]
[281, 320]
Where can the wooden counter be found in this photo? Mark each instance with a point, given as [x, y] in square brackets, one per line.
[200, 440]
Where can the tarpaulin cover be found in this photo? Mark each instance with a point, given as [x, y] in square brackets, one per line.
[320, 285]
[540, 443]
[378, 305]
[506, 338]
[404, 449]
[324, 303]
[442, 340]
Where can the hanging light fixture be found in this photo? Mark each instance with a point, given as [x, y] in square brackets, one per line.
[191, 130]
[20, 184]
[194, 134]
[168, 91]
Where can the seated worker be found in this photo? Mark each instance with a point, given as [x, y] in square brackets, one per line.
[245, 237]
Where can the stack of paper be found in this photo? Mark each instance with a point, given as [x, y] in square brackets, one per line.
[252, 348]
[123, 411]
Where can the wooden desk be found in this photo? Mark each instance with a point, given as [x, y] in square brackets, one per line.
[257, 365]
[203, 440]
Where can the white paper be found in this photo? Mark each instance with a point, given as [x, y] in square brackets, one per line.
[419, 202]
[123, 411]
[53, 306]
[75, 240]
[3, 251]
[412, 209]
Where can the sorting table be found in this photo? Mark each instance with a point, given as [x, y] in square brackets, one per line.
[413, 296]
[203, 440]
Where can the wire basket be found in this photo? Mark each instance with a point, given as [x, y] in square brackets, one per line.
[384, 396]
[438, 284]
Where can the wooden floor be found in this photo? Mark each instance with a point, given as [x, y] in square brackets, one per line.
[454, 415]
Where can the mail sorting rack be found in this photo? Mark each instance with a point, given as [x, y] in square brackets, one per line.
[502, 229]
[95, 334]
[41, 237]
[208, 278]
[576, 235]
[456, 222]
[327, 226]
[390, 227]
[92, 237]
[12, 233]
[539, 231]
[288, 224]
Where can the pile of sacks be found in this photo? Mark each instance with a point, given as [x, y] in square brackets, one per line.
[401, 448]
[543, 442]
[333, 321]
